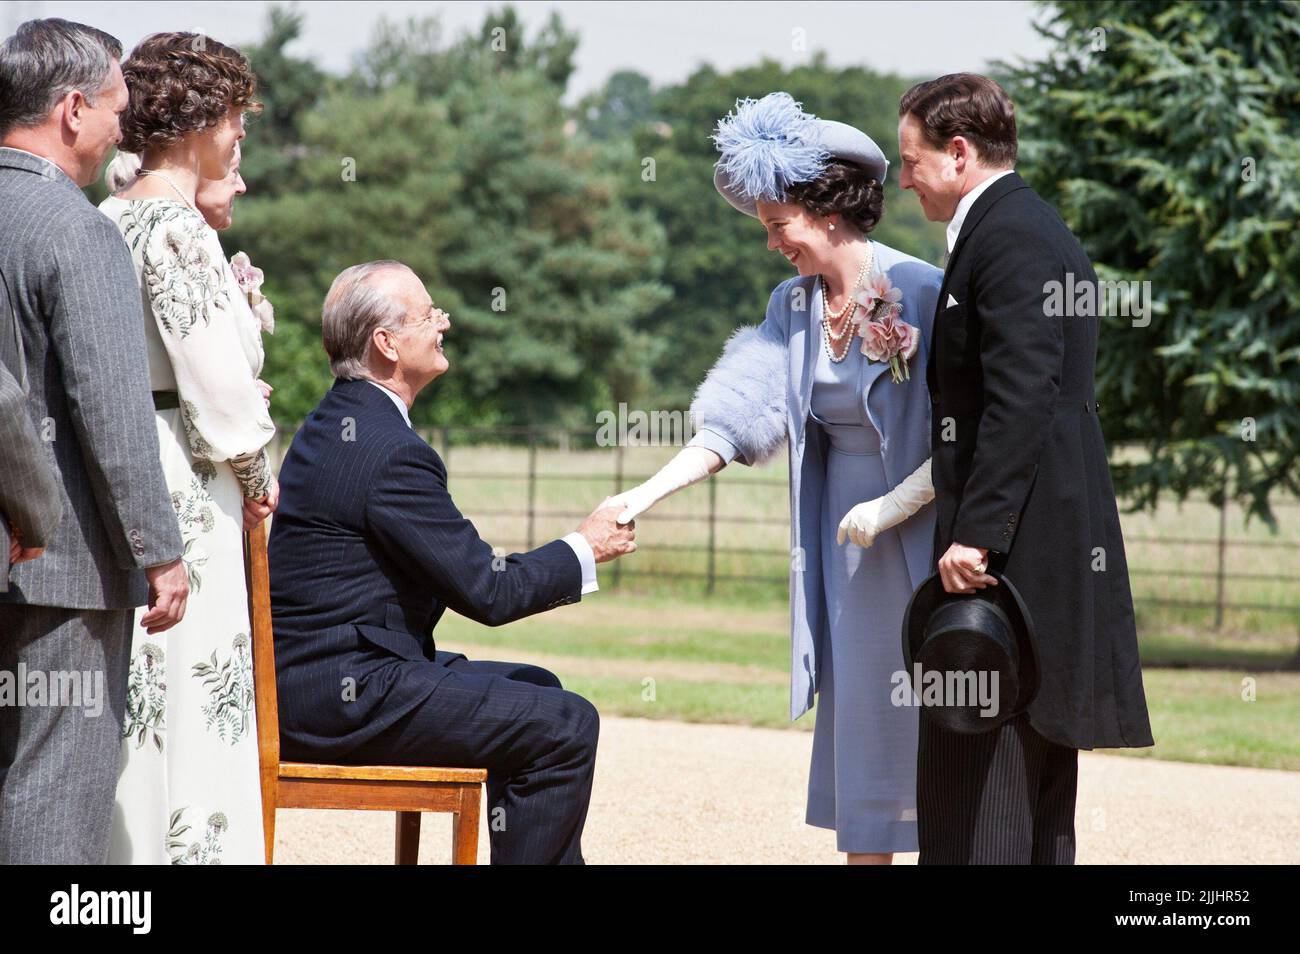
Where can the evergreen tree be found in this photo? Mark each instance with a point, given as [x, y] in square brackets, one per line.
[460, 161]
[1168, 135]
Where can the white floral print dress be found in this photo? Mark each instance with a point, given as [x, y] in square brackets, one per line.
[188, 790]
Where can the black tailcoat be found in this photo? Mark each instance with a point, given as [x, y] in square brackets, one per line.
[1020, 464]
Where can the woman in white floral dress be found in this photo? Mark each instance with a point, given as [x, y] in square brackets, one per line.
[188, 792]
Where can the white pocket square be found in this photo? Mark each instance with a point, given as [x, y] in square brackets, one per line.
[951, 301]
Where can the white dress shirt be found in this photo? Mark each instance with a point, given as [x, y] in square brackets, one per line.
[959, 217]
[576, 541]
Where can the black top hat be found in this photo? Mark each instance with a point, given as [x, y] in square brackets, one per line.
[987, 637]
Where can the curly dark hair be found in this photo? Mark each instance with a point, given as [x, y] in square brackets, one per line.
[844, 187]
[180, 83]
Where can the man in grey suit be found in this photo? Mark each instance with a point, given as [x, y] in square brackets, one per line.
[30, 506]
[67, 617]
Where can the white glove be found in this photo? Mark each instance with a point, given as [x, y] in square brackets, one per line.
[865, 521]
[690, 466]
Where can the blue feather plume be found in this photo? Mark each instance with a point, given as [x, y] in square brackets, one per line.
[768, 145]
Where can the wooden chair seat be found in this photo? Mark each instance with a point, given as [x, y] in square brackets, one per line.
[392, 773]
[407, 790]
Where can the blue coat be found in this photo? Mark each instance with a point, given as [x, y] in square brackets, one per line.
[756, 398]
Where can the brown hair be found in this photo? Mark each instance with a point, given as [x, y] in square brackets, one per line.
[180, 83]
[844, 187]
[967, 105]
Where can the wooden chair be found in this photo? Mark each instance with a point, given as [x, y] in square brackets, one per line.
[406, 790]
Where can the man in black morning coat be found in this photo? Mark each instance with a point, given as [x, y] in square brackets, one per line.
[1021, 484]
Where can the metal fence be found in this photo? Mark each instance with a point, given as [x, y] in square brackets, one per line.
[533, 476]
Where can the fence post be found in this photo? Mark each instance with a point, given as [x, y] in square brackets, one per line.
[618, 489]
[446, 447]
[1221, 570]
[532, 483]
[713, 534]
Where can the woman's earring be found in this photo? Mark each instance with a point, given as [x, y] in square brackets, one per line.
[832, 226]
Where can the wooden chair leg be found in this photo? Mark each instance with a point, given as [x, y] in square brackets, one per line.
[408, 838]
[464, 832]
[268, 824]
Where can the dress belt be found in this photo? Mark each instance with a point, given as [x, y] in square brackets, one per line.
[166, 400]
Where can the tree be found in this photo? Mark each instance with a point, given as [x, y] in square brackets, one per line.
[620, 108]
[288, 87]
[1168, 135]
[463, 166]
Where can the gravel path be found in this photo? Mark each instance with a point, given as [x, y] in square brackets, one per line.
[671, 792]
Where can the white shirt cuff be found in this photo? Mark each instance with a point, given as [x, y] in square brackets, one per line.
[582, 550]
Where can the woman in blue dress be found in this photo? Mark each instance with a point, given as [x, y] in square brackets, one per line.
[836, 373]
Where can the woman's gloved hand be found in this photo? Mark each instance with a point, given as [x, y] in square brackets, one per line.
[867, 520]
[690, 466]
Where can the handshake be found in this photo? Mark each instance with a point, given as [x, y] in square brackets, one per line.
[611, 528]
[608, 537]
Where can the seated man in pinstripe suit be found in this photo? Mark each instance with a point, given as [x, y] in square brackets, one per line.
[368, 550]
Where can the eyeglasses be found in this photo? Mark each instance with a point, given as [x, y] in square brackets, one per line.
[430, 318]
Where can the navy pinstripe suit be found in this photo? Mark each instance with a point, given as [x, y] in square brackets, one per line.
[367, 550]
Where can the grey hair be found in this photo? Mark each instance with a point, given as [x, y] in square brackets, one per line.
[44, 61]
[354, 307]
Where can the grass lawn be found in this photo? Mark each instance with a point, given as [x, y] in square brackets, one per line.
[719, 660]
[1172, 552]
[660, 648]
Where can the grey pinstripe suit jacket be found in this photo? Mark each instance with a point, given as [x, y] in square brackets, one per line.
[29, 495]
[78, 306]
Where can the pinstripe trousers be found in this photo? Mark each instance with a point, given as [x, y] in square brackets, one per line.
[1003, 797]
[59, 763]
[536, 739]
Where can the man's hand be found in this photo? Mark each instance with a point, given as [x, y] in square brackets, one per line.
[255, 511]
[962, 569]
[169, 588]
[608, 538]
[17, 552]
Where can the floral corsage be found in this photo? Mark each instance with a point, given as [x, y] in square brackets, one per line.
[885, 336]
[250, 283]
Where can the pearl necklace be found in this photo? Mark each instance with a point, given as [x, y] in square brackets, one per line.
[839, 341]
[167, 179]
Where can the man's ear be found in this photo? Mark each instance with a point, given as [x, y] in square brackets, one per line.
[964, 156]
[385, 343]
[74, 107]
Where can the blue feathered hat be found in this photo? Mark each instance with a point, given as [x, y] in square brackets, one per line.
[770, 144]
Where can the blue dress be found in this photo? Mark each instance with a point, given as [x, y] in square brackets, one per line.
[862, 781]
